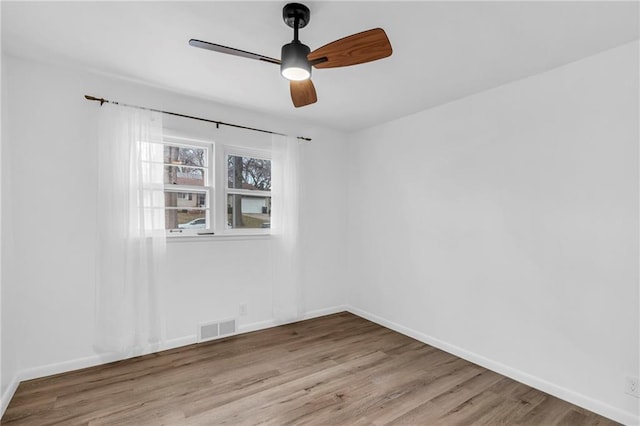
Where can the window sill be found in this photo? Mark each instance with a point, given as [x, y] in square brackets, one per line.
[217, 237]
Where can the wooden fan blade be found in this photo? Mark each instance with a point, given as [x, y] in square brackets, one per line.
[302, 93]
[355, 49]
[231, 51]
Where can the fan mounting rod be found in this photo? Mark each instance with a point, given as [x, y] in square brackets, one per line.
[296, 16]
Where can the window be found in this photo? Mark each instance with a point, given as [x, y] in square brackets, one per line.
[187, 187]
[242, 205]
[248, 190]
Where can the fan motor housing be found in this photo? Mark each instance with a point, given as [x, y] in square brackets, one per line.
[296, 10]
[294, 56]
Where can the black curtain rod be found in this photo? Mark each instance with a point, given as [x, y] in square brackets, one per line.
[217, 123]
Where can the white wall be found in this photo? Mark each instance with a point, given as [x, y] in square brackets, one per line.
[49, 209]
[504, 227]
[7, 356]
[1, 239]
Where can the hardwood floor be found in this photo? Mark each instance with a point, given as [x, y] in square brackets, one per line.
[335, 370]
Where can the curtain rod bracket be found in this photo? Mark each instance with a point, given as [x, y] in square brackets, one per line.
[218, 123]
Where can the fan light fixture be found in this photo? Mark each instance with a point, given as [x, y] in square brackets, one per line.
[295, 65]
[296, 61]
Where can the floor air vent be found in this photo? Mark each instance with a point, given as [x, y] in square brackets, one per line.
[227, 327]
[213, 330]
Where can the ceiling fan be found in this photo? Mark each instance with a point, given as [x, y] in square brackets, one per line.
[297, 58]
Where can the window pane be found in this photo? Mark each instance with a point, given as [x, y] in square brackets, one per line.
[185, 165]
[185, 219]
[249, 173]
[185, 155]
[184, 175]
[245, 211]
[184, 209]
[185, 199]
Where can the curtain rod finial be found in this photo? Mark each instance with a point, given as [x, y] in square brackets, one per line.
[93, 98]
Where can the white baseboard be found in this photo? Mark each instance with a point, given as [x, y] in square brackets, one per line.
[8, 394]
[573, 397]
[256, 326]
[247, 328]
[98, 359]
[179, 342]
[326, 311]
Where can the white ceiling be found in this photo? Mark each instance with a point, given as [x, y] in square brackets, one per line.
[442, 50]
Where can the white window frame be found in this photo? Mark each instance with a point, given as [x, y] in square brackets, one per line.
[207, 189]
[222, 166]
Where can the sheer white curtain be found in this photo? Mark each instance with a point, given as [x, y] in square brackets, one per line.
[130, 229]
[285, 250]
